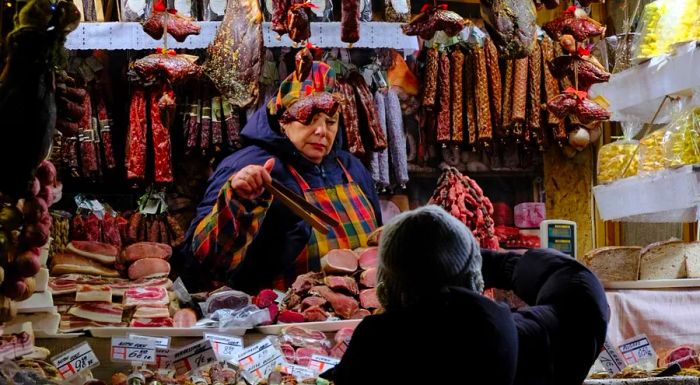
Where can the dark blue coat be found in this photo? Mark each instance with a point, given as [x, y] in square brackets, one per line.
[282, 235]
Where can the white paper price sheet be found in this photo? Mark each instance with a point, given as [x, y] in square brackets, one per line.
[225, 347]
[320, 364]
[636, 349]
[260, 359]
[76, 360]
[160, 342]
[193, 356]
[610, 359]
[129, 350]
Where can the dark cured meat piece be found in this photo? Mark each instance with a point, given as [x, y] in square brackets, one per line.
[236, 55]
[470, 97]
[430, 78]
[179, 26]
[86, 120]
[581, 28]
[376, 135]
[305, 109]
[177, 232]
[298, 22]
[457, 68]
[106, 135]
[589, 111]
[483, 112]
[161, 142]
[136, 139]
[562, 105]
[154, 230]
[163, 231]
[351, 121]
[350, 21]
[279, 16]
[175, 67]
[443, 116]
[431, 20]
[534, 116]
[217, 136]
[134, 225]
[512, 25]
[205, 137]
[571, 66]
[191, 127]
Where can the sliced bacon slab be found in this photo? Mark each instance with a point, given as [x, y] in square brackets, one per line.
[91, 293]
[71, 324]
[146, 296]
[151, 322]
[98, 251]
[98, 312]
[151, 311]
[68, 283]
[141, 250]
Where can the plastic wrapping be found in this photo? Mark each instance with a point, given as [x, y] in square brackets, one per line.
[300, 337]
[213, 10]
[135, 10]
[397, 11]
[613, 158]
[682, 144]
[225, 299]
[247, 317]
[665, 23]
[365, 10]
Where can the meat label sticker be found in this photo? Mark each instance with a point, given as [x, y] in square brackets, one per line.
[260, 359]
[320, 364]
[76, 360]
[164, 358]
[160, 342]
[610, 359]
[637, 349]
[225, 347]
[193, 356]
[131, 350]
[300, 372]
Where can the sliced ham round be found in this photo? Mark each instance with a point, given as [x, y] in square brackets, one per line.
[343, 284]
[343, 305]
[315, 314]
[184, 318]
[141, 250]
[369, 257]
[369, 300]
[368, 278]
[339, 261]
[149, 267]
[98, 251]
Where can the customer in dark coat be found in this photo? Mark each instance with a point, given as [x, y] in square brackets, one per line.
[438, 328]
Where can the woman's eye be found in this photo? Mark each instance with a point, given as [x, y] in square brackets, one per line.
[331, 122]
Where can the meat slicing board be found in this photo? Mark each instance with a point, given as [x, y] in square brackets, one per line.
[324, 326]
[653, 284]
[109, 332]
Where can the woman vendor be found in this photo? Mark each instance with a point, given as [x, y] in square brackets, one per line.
[245, 239]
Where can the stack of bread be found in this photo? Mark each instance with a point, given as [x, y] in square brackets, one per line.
[671, 259]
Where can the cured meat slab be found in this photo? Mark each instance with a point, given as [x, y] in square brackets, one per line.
[67, 263]
[90, 293]
[339, 261]
[152, 311]
[141, 250]
[146, 296]
[68, 283]
[151, 322]
[98, 251]
[98, 312]
[343, 305]
[149, 268]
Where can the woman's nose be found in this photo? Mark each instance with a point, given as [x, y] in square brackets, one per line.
[320, 128]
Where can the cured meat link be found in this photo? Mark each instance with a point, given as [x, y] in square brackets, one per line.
[495, 87]
[520, 73]
[350, 119]
[507, 110]
[217, 135]
[377, 137]
[430, 78]
[136, 140]
[470, 97]
[443, 118]
[483, 114]
[551, 85]
[106, 135]
[233, 124]
[192, 128]
[457, 68]
[534, 122]
[161, 143]
[350, 21]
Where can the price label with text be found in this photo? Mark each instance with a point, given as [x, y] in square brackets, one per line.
[196, 355]
[260, 359]
[225, 347]
[76, 360]
[160, 342]
[610, 359]
[164, 358]
[300, 372]
[637, 349]
[320, 364]
[128, 350]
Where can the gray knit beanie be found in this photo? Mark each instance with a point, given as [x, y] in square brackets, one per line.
[424, 250]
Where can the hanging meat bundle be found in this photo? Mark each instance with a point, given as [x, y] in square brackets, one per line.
[170, 20]
[209, 124]
[360, 117]
[512, 25]
[432, 19]
[463, 198]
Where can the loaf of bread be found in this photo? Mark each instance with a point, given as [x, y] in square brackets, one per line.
[692, 259]
[614, 263]
[663, 260]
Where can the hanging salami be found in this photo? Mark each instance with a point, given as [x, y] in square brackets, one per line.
[483, 113]
[457, 67]
[470, 97]
[136, 140]
[534, 120]
[430, 80]
[161, 142]
[444, 92]
[495, 88]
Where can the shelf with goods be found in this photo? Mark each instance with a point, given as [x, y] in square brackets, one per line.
[130, 35]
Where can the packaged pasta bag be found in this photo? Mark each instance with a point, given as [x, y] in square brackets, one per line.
[654, 30]
[620, 159]
[682, 144]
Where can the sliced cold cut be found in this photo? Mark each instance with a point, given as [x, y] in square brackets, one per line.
[151, 311]
[339, 261]
[152, 323]
[68, 263]
[146, 296]
[149, 267]
[98, 251]
[344, 284]
[315, 314]
[143, 250]
[313, 301]
[89, 293]
[369, 257]
[369, 300]
[343, 305]
[368, 278]
[184, 318]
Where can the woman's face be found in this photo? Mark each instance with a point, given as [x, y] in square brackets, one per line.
[314, 140]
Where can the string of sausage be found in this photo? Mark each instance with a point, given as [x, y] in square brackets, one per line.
[520, 73]
[350, 119]
[507, 110]
[470, 97]
[444, 88]
[457, 67]
[483, 112]
[534, 123]
[136, 140]
[430, 78]
[551, 86]
[161, 141]
[495, 87]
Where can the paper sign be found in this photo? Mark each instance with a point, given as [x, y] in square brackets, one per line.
[159, 342]
[320, 364]
[196, 355]
[637, 349]
[128, 350]
[610, 359]
[300, 372]
[225, 347]
[260, 359]
[76, 360]
[164, 358]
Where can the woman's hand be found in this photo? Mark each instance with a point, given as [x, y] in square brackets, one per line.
[249, 182]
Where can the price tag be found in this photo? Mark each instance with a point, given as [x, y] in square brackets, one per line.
[320, 364]
[193, 356]
[610, 359]
[128, 350]
[225, 347]
[74, 361]
[159, 342]
[637, 349]
[260, 359]
[300, 372]
[164, 358]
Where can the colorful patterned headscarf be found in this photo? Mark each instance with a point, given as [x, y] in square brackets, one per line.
[320, 80]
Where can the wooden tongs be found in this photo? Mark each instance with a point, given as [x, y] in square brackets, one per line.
[317, 218]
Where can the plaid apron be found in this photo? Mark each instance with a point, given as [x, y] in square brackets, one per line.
[348, 204]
